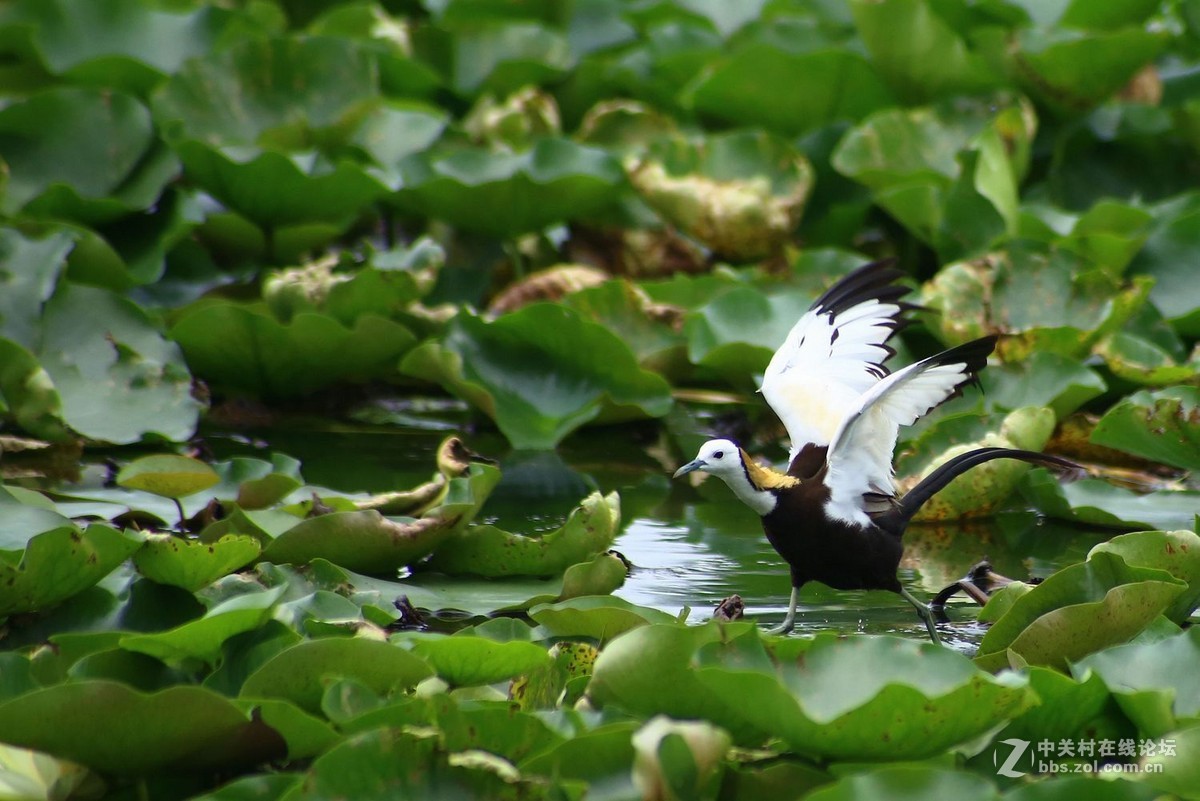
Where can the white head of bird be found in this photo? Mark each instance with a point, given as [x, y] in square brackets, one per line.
[724, 459]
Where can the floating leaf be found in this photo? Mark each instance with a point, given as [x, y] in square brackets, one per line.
[841, 85]
[299, 674]
[489, 551]
[464, 661]
[119, 168]
[1077, 611]
[170, 475]
[600, 617]
[242, 350]
[60, 563]
[1153, 682]
[369, 542]
[540, 373]
[181, 728]
[1177, 552]
[505, 194]
[740, 194]
[202, 638]
[192, 564]
[1162, 426]
[865, 697]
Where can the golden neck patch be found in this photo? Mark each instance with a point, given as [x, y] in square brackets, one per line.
[765, 478]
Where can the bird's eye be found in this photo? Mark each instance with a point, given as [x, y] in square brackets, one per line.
[719, 455]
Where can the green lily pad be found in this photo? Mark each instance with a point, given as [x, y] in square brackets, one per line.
[181, 728]
[242, 350]
[256, 787]
[741, 194]
[93, 179]
[948, 173]
[982, 489]
[1153, 682]
[127, 43]
[841, 85]
[865, 697]
[463, 661]
[60, 563]
[436, 592]
[1164, 258]
[1044, 379]
[1177, 552]
[1045, 301]
[506, 194]
[169, 475]
[489, 551]
[908, 783]
[117, 378]
[1142, 361]
[276, 189]
[540, 373]
[599, 617]
[1162, 426]
[369, 542]
[899, 37]
[1092, 501]
[202, 639]
[1071, 70]
[192, 564]
[1175, 773]
[503, 58]
[1079, 610]
[300, 673]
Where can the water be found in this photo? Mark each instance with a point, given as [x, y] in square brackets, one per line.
[691, 546]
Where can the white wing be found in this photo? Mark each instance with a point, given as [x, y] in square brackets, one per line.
[860, 452]
[834, 354]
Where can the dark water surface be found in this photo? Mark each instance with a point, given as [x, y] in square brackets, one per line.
[691, 545]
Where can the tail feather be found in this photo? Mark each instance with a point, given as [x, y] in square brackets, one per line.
[897, 518]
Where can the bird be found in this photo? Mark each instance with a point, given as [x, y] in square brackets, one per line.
[835, 515]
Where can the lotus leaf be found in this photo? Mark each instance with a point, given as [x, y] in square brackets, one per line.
[1153, 682]
[901, 35]
[1077, 611]
[1175, 773]
[489, 551]
[909, 783]
[113, 728]
[833, 702]
[126, 43]
[540, 373]
[61, 562]
[980, 491]
[1044, 379]
[503, 58]
[368, 541]
[243, 350]
[1162, 426]
[1177, 552]
[1045, 301]
[843, 86]
[1164, 258]
[1099, 502]
[192, 564]
[299, 673]
[202, 638]
[599, 617]
[256, 787]
[740, 194]
[1145, 362]
[464, 660]
[949, 177]
[95, 179]
[170, 475]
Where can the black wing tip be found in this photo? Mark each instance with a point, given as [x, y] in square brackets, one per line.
[973, 354]
[873, 281]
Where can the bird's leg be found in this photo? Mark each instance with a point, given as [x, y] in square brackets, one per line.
[925, 614]
[789, 622]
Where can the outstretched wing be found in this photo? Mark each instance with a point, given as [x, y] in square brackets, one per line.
[835, 353]
[859, 477]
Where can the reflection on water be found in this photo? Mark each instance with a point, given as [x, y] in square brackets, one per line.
[691, 546]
